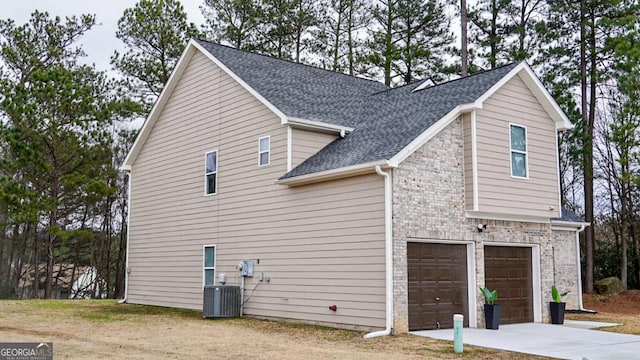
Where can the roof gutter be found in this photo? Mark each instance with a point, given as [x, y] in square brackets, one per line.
[580, 303]
[388, 240]
[126, 268]
[333, 173]
[318, 126]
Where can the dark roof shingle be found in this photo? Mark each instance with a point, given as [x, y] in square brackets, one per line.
[390, 120]
[568, 216]
[299, 90]
[385, 120]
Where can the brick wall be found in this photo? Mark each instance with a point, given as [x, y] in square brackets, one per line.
[429, 204]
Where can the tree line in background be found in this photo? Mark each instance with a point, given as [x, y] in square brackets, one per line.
[65, 127]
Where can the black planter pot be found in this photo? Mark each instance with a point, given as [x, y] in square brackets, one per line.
[492, 315]
[557, 312]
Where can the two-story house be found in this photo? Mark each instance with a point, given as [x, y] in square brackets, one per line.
[360, 206]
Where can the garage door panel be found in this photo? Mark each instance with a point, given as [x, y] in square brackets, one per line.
[508, 270]
[437, 284]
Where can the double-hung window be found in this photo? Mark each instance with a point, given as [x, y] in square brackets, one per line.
[209, 265]
[211, 173]
[264, 151]
[518, 140]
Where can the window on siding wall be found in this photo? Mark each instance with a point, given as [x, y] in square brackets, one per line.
[209, 266]
[211, 173]
[264, 151]
[518, 139]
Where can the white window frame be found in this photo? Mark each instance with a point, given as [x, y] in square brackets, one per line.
[206, 174]
[204, 267]
[268, 151]
[525, 152]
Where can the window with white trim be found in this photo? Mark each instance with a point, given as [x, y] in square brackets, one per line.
[518, 140]
[209, 265]
[264, 151]
[211, 173]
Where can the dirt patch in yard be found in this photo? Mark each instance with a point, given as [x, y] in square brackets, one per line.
[626, 302]
[104, 329]
[622, 308]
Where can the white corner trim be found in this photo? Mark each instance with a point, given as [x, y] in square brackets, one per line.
[334, 173]
[235, 77]
[289, 147]
[428, 134]
[181, 65]
[316, 125]
[472, 285]
[474, 159]
[558, 177]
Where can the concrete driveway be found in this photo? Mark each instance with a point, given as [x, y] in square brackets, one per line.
[569, 341]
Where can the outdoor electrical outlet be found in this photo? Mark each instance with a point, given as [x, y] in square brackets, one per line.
[260, 276]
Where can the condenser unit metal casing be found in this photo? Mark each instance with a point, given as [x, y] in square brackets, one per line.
[221, 301]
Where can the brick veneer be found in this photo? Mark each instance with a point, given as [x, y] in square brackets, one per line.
[429, 204]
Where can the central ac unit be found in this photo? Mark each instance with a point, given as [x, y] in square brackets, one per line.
[221, 301]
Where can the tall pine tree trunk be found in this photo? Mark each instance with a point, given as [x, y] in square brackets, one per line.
[587, 156]
[464, 54]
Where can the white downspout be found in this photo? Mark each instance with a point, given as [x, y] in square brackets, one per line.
[580, 303]
[126, 265]
[388, 239]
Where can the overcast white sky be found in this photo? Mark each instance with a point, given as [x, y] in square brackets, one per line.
[100, 42]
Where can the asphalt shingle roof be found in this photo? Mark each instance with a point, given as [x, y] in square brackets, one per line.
[298, 90]
[569, 216]
[390, 120]
[385, 120]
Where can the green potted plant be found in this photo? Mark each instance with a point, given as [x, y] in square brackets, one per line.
[492, 312]
[556, 306]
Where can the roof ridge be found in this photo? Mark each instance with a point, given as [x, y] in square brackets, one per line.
[472, 75]
[290, 61]
[448, 81]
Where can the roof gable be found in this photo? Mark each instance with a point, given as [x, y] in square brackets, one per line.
[396, 122]
[299, 91]
[385, 125]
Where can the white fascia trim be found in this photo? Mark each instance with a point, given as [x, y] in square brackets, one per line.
[334, 173]
[428, 134]
[316, 125]
[539, 91]
[505, 217]
[181, 65]
[235, 77]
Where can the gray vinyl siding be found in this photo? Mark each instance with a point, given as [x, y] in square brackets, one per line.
[305, 143]
[468, 162]
[320, 244]
[498, 192]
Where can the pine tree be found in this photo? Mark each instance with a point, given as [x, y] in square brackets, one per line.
[409, 40]
[578, 55]
[335, 41]
[234, 22]
[155, 32]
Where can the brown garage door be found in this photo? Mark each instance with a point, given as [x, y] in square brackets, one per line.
[508, 270]
[437, 285]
